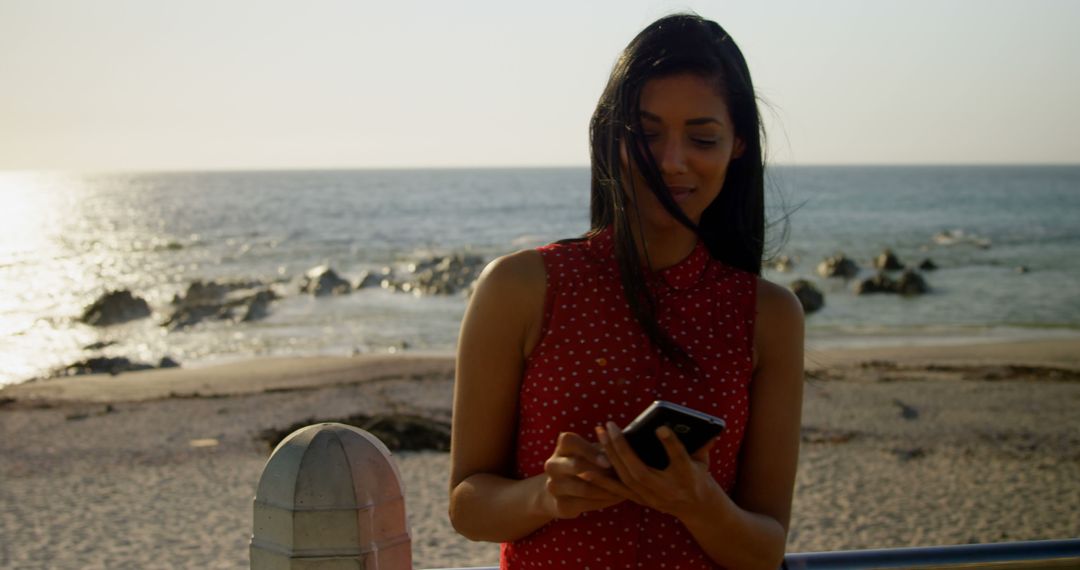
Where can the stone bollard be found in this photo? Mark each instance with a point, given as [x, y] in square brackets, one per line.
[330, 498]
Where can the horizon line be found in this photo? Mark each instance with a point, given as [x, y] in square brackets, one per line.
[398, 168]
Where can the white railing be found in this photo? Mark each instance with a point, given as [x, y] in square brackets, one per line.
[330, 498]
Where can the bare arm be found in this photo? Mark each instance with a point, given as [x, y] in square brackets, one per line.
[500, 327]
[749, 529]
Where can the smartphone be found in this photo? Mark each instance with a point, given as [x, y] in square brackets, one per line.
[693, 428]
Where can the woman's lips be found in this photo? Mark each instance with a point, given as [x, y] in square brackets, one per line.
[680, 193]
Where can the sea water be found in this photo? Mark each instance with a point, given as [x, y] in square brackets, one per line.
[67, 238]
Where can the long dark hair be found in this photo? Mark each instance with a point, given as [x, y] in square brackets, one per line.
[733, 226]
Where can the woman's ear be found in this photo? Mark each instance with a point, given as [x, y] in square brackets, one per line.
[738, 149]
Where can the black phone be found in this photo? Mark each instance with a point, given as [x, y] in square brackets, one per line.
[693, 428]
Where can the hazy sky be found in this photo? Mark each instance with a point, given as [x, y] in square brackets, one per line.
[148, 84]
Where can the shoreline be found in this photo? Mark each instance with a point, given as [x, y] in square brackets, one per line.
[915, 446]
[271, 374]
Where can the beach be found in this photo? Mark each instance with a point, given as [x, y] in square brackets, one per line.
[901, 447]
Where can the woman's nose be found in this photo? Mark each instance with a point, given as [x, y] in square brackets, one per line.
[672, 159]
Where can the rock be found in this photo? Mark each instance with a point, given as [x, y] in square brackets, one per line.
[372, 278]
[879, 283]
[911, 283]
[112, 365]
[784, 263]
[258, 305]
[400, 432]
[115, 307]
[838, 266]
[887, 260]
[927, 265]
[446, 275]
[908, 454]
[211, 292]
[322, 280]
[103, 365]
[439, 275]
[907, 412]
[99, 345]
[410, 433]
[187, 316]
[810, 297]
[1022, 269]
[220, 301]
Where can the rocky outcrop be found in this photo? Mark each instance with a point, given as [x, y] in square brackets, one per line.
[373, 278]
[838, 266]
[400, 432]
[879, 283]
[321, 281]
[927, 265]
[238, 300]
[112, 365]
[887, 261]
[201, 292]
[909, 283]
[258, 306]
[115, 307]
[439, 275]
[810, 297]
[784, 263]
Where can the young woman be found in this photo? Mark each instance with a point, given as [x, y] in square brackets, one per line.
[661, 300]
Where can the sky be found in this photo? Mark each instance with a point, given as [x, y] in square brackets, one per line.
[272, 84]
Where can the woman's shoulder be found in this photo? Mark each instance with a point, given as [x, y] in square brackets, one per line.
[514, 276]
[511, 290]
[777, 305]
[519, 271]
[779, 323]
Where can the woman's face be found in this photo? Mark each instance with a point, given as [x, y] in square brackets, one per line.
[687, 128]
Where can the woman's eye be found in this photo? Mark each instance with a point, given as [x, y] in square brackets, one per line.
[704, 142]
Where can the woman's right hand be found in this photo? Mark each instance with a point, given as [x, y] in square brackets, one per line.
[567, 494]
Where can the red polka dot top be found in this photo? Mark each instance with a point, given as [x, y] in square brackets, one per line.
[594, 363]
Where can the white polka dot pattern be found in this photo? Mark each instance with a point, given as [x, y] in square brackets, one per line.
[594, 363]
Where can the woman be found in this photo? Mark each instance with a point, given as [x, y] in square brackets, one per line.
[562, 345]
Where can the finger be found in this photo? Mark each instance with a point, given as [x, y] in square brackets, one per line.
[617, 463]
[573, 487]
[563, 466]
[611, 485]
[702, 454]
[570, 443]
[678, 459]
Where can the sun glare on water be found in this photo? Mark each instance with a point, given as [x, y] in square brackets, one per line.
[36, 270]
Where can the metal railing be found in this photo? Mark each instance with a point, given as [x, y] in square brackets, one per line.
[1010, 555]
[330, 496]
[1032, 555]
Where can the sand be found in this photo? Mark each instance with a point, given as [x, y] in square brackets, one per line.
[902, 447]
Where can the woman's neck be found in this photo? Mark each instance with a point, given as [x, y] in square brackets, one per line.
[665, 247]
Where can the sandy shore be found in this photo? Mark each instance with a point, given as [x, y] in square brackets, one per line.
[902, 447]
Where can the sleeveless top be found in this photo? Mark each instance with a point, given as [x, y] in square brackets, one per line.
[594, 363]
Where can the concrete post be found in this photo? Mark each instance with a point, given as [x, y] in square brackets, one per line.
[330, 498]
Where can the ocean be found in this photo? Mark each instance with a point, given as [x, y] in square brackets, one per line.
[1008, 260]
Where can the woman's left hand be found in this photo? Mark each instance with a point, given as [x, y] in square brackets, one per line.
[683, 489]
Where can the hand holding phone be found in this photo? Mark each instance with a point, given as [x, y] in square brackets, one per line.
[693, 428]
